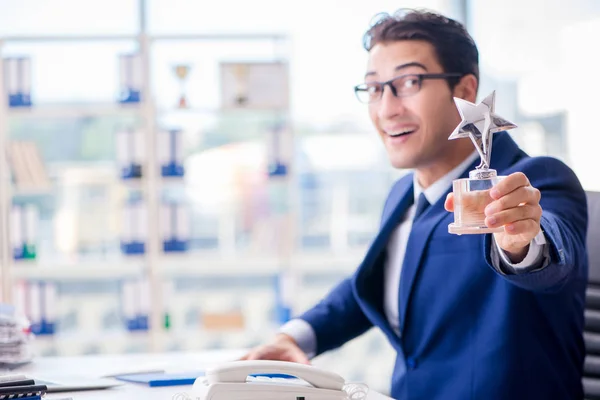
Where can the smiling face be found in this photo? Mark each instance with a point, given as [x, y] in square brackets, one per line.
[415, 128]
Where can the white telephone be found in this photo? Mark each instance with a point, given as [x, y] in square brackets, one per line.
[252, 380]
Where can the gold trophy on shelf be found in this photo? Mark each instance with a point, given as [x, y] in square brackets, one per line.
[182, 72]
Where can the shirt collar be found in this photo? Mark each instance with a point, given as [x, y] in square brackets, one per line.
[435, 191]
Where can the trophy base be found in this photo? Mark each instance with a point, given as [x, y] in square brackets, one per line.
[471, 197]
[471, 230]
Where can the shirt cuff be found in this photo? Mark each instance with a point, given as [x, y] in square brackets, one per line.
[533, 257]
[304, 335]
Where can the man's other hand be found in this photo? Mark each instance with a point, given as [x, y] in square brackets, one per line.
[281, 348]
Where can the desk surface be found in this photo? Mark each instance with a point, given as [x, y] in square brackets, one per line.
[101, 365]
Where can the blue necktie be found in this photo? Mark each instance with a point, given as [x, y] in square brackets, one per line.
[422, 205]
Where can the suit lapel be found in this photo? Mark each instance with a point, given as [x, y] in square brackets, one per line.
[505, 151]
[415, 247]
[368, 282]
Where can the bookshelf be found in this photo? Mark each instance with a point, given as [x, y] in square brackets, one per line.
[154, 265]
[316, 254]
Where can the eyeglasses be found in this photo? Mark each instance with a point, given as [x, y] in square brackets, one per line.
[401, 86]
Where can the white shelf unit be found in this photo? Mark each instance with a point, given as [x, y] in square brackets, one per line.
[28, 270]
[74, 110]
[153, 263]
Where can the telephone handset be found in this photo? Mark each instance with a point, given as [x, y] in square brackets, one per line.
[239, 371]
[248, 380]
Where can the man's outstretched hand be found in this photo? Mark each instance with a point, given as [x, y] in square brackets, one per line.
[515, 205]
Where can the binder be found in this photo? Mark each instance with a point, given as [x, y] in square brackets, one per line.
[130, 78]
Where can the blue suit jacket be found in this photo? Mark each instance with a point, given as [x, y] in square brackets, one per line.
[469, 331]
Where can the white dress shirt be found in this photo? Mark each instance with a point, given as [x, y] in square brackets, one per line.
[304, 334]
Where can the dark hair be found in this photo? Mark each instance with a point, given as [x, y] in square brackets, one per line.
[455, 48]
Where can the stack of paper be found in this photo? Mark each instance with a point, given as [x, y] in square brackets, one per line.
[15, 338]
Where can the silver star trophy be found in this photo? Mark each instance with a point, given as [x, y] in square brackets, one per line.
[472, 195]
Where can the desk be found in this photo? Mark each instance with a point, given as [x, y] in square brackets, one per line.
[96, 366]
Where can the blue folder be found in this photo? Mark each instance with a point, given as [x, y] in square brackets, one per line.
[162, 379]
[177, 379]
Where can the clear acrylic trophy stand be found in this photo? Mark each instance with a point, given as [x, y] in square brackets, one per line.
[471, 196]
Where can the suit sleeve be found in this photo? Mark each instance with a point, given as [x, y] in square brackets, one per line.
[337, 318]
[564, 224]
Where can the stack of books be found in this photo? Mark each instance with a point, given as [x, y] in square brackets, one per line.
[20, 387]
[15, 339]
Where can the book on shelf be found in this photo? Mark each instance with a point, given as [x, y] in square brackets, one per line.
[27, 167]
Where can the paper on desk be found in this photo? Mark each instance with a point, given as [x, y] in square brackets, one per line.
[145, 368]
[15, 338]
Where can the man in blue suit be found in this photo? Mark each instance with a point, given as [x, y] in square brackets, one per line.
[494, 316]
